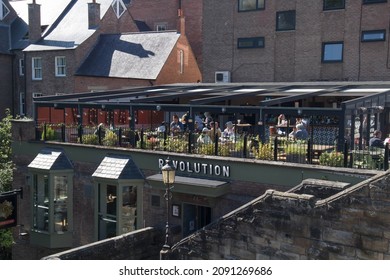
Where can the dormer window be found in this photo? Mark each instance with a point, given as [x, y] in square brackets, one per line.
[119, 7]
[4, 11]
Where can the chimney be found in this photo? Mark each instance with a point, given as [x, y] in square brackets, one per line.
[93, 15]
[182, 22]
[34, 22]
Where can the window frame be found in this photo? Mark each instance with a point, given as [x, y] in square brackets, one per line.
[3, 7]
[258, 8]
[22, 103]
[254, 40]
[380, 31]
[36, 68]
[161, 27]
[58, 66]
[21, 67]
[324, 44]
[329, 9]
[367, 2]
[115, 6]
[278, 28]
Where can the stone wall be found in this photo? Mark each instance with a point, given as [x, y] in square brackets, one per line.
[352, 222]
[144, 244]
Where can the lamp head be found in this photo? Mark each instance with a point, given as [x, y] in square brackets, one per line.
[168, 172]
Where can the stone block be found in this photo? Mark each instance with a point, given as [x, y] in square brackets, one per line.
[339, 236]
[375, 244]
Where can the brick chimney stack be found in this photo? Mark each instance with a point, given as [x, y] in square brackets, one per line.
[93, 15]
[182, 22]
[34, 22]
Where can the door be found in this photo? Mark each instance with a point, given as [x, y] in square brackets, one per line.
[194, 218]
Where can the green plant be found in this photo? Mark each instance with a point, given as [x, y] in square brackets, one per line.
[110, 138]
[264, 152]
[178, 145]
[48, 133]
[209, 149]
[297, 148]
[90, 139]
[334, 158]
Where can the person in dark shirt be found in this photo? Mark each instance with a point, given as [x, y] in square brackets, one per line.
[376, 140]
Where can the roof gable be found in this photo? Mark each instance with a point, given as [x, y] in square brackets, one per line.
[51, 159]
[132, 55]
[118, 167]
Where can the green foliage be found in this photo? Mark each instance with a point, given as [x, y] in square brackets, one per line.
[297, 148]
[51, 134]
[334, 158]
[209, 149]
[110, 138]
[90, 139]
[176, 145]
[264, 152]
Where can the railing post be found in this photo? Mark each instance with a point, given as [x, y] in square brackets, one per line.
[245, 145]
[189, 142]
[80, 133]
[386, 157]
[309, 152]
[216, 145]
[276, 148]
[120, 137]
[165, 139]
[99, 131]
[44, 132]
[63, 132]
[142, 138]
[345, 153]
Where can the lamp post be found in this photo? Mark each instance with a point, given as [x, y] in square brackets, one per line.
[168, 175]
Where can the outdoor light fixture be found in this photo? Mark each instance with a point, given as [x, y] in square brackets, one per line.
[158, 107]
[168, 175]
[223, 109]
[103, 106]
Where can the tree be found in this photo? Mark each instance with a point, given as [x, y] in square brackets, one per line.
[6, 170]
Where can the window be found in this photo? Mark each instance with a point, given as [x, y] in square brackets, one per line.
[332, 52]
[334, 4]
[36, 94]
[248, 43]
[41, 202]
[22, 103]
[373, 1]
[374, 35]
[250, 5]
[161, 26]
[181, 59]
[37, 68]
[60, 66]
[119, 7]
[285, 20]
[21, 67]
[4, 11]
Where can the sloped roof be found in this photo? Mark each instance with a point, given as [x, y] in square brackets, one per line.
[51, 159]
[71, 27]
[132, 55]
[118, 167]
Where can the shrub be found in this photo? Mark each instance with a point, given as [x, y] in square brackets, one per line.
[51, 134]
[335, 159]
[110, 138]
[264, 152]
[90, 139]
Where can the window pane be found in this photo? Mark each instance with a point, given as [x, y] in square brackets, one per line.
[3, 11]
[373, 1]
[285, 20]
[60, 203]
[129, 208]
[111, 200]
[373, 35]
[41, 203]
[245, 5]
[257, 42]
[333, 4]
[333, 52]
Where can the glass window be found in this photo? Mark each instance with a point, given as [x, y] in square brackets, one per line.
[119, 7]
[4, 11]
[21, 67]
[22, 108]
[247, 43]
[332, 52]
[36, 68]
[129, 208]
[60, 203]
[250, 5]
[373, 1]
[334, 4]
[60, 66]
[374, 35]
[285, 20]
[181, 60]
[161, 26]
[41, 202]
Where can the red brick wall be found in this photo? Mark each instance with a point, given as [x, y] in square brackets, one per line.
[5, 83]
[294, 55]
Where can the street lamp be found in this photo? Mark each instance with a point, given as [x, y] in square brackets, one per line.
[168, 175]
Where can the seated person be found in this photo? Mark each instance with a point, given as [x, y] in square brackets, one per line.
[282, 121]
[228, 132]
[176, 125]
[387, 141]
[301, 133]
[215, 131]
[204, 137]
[161, 128]
[376, 140]
[291, 135]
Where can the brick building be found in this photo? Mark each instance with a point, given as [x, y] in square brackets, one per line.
[259, 40]
[53, 44]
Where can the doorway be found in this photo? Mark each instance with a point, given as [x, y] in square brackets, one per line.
[194, 218]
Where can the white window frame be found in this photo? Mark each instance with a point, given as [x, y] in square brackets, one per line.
[116, 4]
[36, 68]
[60, 68]
[4, 11]
[21, 67]
[161, 26]
[181, 60]
[36, 94]
[22, 103]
